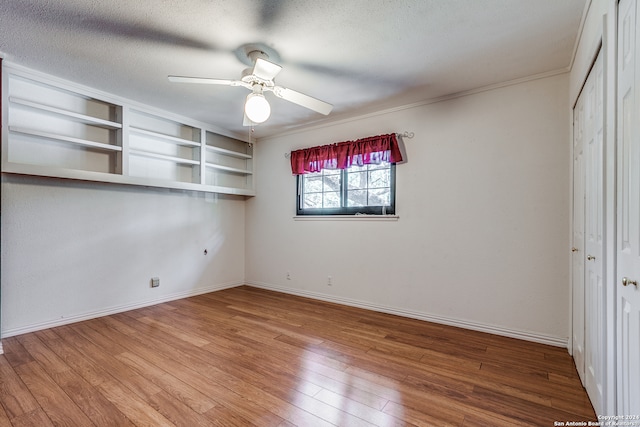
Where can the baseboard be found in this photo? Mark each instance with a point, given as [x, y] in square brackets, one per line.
[113, 310]
[524, 335]
[491, 329]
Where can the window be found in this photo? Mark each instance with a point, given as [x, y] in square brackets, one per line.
[367, 189]
[347, 178]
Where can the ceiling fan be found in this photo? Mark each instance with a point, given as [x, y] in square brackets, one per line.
[258, 80]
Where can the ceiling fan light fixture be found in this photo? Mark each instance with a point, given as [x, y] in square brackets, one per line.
[257, 108]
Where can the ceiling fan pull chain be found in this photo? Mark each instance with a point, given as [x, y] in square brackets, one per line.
[252, 129]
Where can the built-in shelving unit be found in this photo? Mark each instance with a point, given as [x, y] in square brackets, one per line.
[163, 149]
[58, 129]
[228, 162]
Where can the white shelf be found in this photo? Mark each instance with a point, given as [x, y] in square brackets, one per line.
[56, 172]
[164, 157]
[83, 118]
[63, 138]
[229, 152]
[229, 169]
[164, 137]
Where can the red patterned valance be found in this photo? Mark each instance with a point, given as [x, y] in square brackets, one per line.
[371, 150]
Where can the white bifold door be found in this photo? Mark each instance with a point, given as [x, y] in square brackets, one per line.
[628, 212]
[588, 295]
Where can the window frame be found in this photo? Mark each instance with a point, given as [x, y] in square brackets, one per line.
[348, 210]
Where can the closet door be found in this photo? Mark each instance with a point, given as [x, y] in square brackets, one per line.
[594, 237]
[587, 266]
[578, 321]
[628, 220]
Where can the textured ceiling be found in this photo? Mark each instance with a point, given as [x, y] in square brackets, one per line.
[359, 55]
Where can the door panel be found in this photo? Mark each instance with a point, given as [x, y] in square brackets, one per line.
[578, 256]
[628, 250]
[594, 244]
[588, 240]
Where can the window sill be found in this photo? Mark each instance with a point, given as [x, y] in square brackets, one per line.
[346, 218]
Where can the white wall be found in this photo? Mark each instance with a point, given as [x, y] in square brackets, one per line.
[72, 250]
[483, 200]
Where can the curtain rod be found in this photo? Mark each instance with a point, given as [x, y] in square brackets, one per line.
[404, 134]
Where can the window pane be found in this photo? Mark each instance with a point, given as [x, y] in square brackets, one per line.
[382, 165]
[357, 198]
[312, 184]
[355, 168]
[379, 178]
[331, 183]
[331, 200]
[312, 201]
[379, 197]
[357, 180]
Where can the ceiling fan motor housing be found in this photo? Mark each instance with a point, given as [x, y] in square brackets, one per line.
[255, 54]
[249, 52]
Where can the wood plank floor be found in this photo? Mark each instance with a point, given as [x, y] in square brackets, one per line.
[246, 356]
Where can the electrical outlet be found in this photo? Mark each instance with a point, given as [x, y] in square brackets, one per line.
[330, 281]
[288, 275]
[155, 282]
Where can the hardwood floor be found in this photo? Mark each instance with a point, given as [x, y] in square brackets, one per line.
[246, 356]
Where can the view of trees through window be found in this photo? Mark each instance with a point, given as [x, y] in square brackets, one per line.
[357, 186]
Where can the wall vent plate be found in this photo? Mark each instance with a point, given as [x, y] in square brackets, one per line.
[155, 282]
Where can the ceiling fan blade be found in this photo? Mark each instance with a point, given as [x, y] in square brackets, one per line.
[265, 70]
[202, 80]
[303, 100]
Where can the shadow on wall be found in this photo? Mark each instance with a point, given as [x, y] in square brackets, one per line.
[71, 248]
